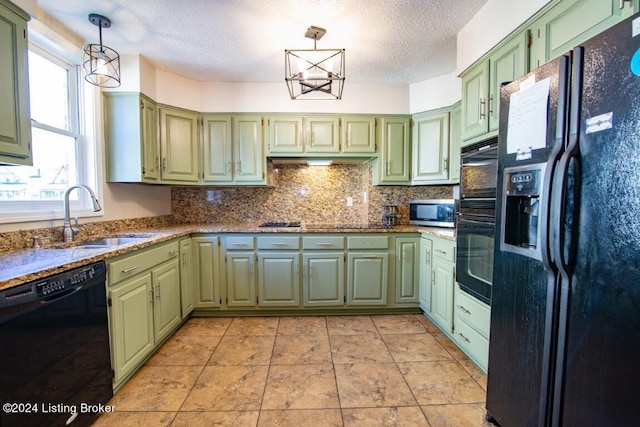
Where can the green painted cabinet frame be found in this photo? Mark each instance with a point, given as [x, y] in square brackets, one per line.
[15, 119]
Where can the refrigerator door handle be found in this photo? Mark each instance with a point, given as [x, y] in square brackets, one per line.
[571, 158]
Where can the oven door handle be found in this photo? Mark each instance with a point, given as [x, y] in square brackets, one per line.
[475, 221]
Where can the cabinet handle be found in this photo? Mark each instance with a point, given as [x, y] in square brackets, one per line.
[238, 244]
[387, 167]
[482, 108]
[152, 295]
[463, 309]
[446, 164]
[279, 244]
[184, 258]
[369, 256]
[490, 105]
[158, 162]
[130, 269]
[158, 290]
[463, 337]
[440, 251]
[164, 163]
[427, 258]
[229, 165]
[173, 252]
[622, 2]
[433, 278]
[324, 244]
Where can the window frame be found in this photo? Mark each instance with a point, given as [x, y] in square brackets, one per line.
[84, 126]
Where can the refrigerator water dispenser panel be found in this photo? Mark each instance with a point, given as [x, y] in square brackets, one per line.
[521, 209]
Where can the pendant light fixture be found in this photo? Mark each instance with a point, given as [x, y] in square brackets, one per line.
[314, 73]
[101, 63]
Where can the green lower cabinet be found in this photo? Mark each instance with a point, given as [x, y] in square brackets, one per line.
[132, 335]
[166, 291]
[425, 274]
[323, 283]
[187, 281]
[442, 294]
[472, 319]
[407, 271]
[206, 268]
[278, 279]
[241, 282]
[367, 278]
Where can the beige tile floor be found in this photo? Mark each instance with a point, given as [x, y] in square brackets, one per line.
[383, 370]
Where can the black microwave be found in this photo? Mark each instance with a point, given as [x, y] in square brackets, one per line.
[433, 212]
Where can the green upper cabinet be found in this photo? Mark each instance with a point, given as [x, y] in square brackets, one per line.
[248, 150]
[179, 141]
[571, 22]
[358, 134]
[131, 137]
[455, 139]
[481, 86]
[217, 149]
[297, 135]
[323, 135]
[392, 167]
[15, 120]
[232, 150]
[285, 134]
[430, 147]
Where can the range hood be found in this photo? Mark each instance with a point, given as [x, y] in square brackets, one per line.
[318, 161]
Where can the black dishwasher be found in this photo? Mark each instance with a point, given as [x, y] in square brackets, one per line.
[55, 365]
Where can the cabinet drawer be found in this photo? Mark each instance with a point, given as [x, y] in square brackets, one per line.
[318, 243]
[473, 312]
[239, 243]
[368, 242]
[445, 250]
[278, 242]
[472, 342]
[140, 261]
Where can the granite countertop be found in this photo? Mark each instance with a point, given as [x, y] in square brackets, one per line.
[22, 266]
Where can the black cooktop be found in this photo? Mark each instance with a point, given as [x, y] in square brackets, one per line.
[280, 224]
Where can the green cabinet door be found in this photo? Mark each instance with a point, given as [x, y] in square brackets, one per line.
[285, 134]
[323, 283]
[474, 101]
[323, 135]
[217, 148]
[392, 166]
[430, 147]
[442, 294]
[278, 279]
[187, 282]
[179, 141]
[241, 283]
[166, 290]
[455, 139]
[426, 276]
[571, 22]
[367, 278]
[207, 271]
[248, 149]
[358, 134]
[131, 320]
[15, 120]
[507, 64]
[407, 270]
[132, 146]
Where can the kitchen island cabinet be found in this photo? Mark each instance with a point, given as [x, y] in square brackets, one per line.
[15, 120]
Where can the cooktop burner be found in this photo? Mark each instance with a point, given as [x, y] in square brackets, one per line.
[280, 224]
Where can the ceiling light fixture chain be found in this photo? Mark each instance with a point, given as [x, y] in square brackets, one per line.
[317, 73]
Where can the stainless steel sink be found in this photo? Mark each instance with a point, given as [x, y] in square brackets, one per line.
[110, 241]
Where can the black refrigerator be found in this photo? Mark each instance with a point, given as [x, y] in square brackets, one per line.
[565, 313]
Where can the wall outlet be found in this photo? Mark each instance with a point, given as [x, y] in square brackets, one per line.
[349, 201]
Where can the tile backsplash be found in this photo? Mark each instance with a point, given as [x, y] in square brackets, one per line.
[314, 194]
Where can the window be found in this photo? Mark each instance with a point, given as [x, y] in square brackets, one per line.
[64, 154]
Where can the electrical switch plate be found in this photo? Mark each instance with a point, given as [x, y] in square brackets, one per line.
[349, 201]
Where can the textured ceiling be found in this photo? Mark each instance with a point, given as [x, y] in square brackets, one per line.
[386, 41]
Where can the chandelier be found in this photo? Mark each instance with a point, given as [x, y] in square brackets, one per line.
[314, 73]
[101, 63]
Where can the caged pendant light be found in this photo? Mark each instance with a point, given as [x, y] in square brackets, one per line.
[314, 73]
[101, 63]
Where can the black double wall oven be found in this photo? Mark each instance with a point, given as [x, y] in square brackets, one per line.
[477, 218]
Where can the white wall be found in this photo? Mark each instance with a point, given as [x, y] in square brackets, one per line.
[435, 93]
[490, 25]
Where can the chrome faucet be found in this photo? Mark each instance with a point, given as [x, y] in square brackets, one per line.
[68, 230]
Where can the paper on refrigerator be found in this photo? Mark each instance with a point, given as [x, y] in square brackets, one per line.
[527, 129]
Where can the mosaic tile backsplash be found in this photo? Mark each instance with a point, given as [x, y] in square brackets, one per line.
[314, 194]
